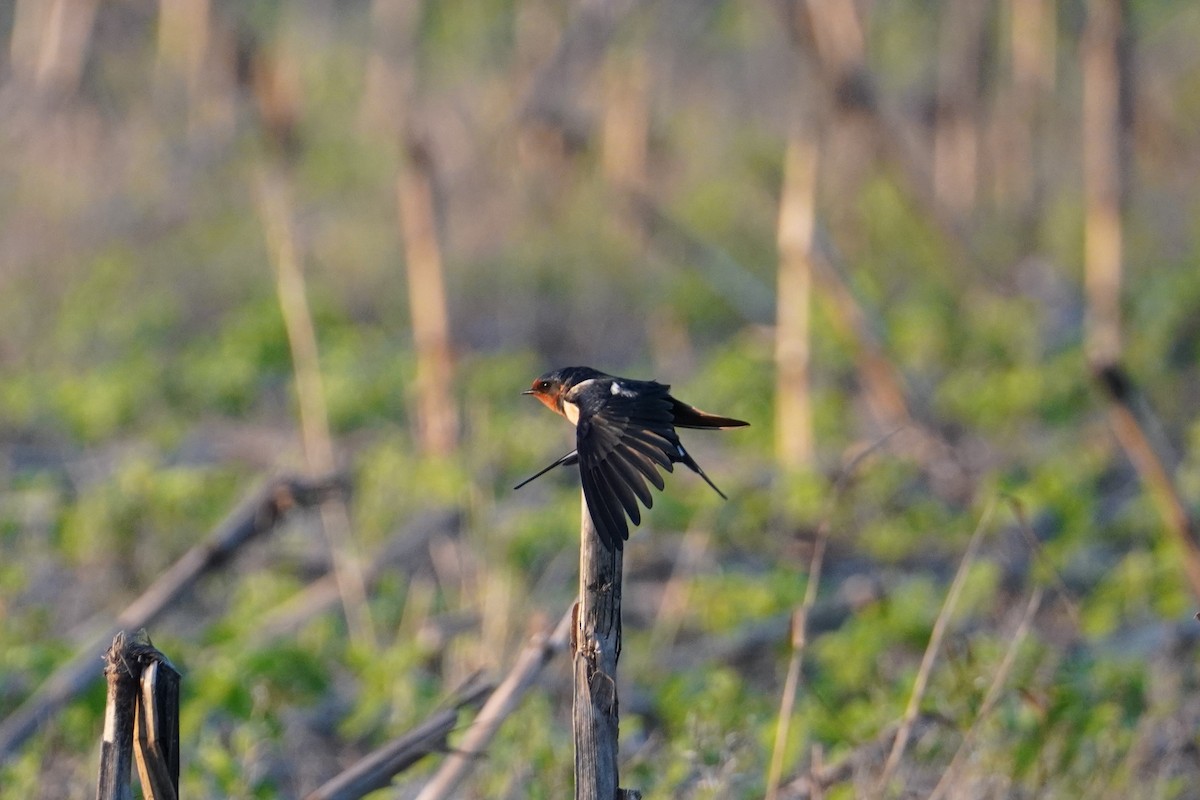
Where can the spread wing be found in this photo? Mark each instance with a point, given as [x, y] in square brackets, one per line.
[623, 438]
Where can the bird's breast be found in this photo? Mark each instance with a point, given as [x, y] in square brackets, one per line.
[571, 411]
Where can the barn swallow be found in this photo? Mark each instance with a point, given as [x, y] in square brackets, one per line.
[624, 432]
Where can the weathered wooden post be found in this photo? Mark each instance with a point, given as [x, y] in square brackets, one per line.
[141, 719]
[116, 748]
[597, 646]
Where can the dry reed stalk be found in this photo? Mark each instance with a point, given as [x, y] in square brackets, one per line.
[387, 84]
[799, 622]
[676, 592]
[551, 101]
[930, 656]
[794, 445]
[1103, 176]
[183, 31]
[993, 694]
[537, 652]
[799, 641]
[831, 32]
[1020, 103]
[956, 126]
[276, 210]
[626, 132]
[50, 42]
[887, 390]
[437, 414]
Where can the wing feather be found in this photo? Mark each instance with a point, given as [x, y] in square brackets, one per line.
[628, 475]
[609, 521]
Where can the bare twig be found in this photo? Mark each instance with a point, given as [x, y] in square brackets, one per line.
[1039, 554]
[931, 652]
[993, 693]
[536, 654]
[1133, 424]
[799, 622]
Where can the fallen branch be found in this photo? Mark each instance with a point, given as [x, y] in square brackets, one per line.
[255, 516]
[406, 554]
[536, 654]
[376, 770]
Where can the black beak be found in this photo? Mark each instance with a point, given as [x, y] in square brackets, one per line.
[527, 391]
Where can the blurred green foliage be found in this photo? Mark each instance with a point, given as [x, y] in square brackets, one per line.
[146, 384]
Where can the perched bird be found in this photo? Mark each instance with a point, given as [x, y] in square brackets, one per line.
[624, 432]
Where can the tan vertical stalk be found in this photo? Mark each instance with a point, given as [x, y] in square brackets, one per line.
[50, 40]
[956, 129]
[183, 30]
[1103, 176]
[626, 120]
[1031, 44]
[387, 86]
[437, 416]
[793, 407]
[276, 211]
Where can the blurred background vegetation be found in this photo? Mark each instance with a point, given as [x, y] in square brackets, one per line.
[983, 204]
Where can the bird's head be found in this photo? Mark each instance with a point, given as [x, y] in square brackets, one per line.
[549, 389]
[551, 386]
